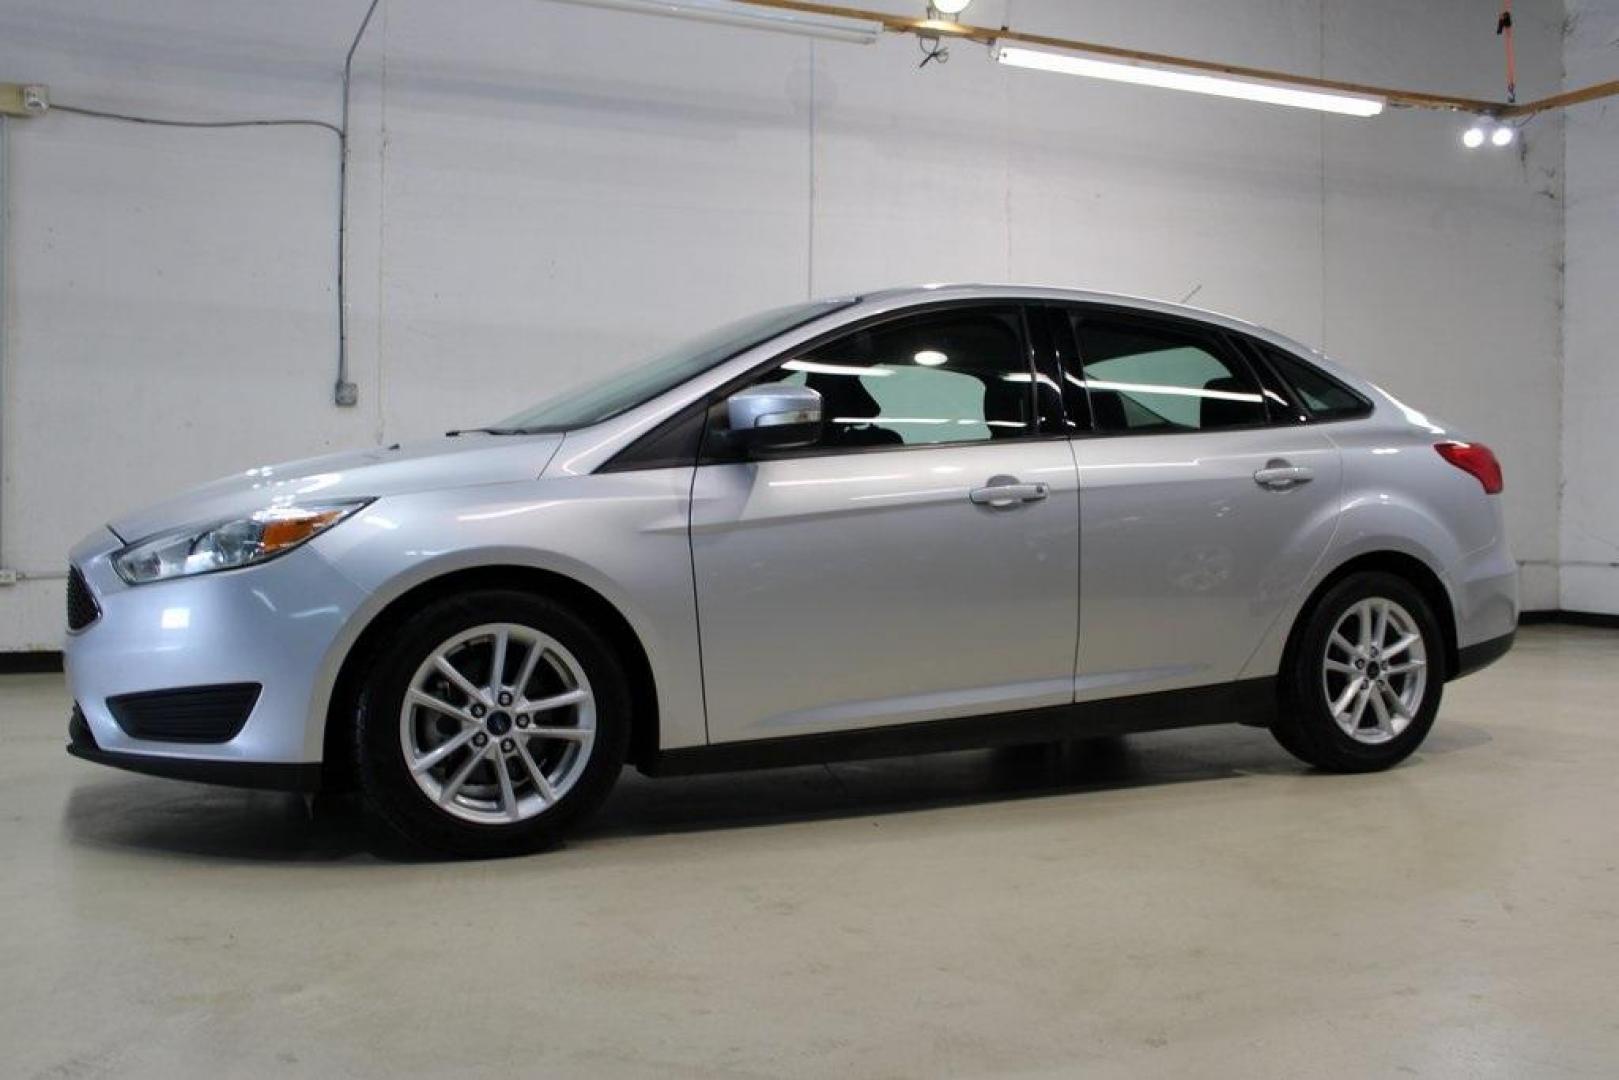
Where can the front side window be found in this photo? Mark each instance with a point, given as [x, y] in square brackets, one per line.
[954, 376]
[1143, 378]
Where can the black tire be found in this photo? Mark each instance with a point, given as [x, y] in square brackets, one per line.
[1305, 726]
[384, 775]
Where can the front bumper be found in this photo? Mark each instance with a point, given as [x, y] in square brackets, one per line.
[274, 624]
[272, 776]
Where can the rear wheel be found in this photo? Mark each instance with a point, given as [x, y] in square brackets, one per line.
[1362, 681]
[491, 723]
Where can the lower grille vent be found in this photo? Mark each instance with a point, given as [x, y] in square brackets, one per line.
[195, 714]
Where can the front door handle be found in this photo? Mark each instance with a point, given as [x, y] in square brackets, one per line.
[1282, 475]
[1003, 492]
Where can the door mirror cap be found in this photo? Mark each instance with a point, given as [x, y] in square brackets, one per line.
[774, 417]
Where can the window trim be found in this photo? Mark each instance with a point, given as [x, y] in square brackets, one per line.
[1216, 339]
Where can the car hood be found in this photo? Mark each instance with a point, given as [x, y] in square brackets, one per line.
[463, 460]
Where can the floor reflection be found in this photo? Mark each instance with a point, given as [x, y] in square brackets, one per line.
[142, 814]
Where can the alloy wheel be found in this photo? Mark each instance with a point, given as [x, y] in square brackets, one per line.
[1374, 671]
[498, 723]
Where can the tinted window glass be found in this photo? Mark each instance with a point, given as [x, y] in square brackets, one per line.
[1143, 378]
[1280, 401]
[1324, 396]
[955, 376]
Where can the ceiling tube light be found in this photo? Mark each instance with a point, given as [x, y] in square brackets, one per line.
[1167, 78]
[733, 13]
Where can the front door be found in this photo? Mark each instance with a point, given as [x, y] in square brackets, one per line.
[920, 563]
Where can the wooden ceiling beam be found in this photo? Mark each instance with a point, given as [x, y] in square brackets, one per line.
[985, 35]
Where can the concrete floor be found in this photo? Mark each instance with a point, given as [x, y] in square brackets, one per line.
[1189, 902]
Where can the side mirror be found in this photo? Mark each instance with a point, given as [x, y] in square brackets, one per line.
[774, 417]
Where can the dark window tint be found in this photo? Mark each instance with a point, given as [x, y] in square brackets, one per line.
[1143, 378]
[1324, 396]
[954, 376]
[1281, 402]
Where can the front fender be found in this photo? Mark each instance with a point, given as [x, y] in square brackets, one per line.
[622, 535]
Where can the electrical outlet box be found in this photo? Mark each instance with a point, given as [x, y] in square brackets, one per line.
[347, 395]
[8, 577]
[24, 99]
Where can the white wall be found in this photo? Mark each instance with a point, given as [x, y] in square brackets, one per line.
[542, 191]
[1590, 523]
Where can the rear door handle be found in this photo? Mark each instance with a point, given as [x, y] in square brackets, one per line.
[1002, 492]
[1281, 475]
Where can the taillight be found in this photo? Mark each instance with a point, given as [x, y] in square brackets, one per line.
[1474, 458]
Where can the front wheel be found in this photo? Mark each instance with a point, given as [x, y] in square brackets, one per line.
[491, 722]
[1361, 684]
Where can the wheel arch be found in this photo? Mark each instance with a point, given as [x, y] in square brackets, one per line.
[1402, 565]
[337, 758]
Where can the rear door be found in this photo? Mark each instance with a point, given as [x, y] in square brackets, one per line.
[920, 563]
[1205, 502]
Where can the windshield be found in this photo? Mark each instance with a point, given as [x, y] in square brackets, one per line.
[624, 390]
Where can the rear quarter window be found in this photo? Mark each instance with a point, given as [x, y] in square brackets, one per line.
[1324, 396]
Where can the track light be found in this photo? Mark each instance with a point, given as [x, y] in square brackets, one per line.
[1498, 135]
[1142, 74]
[731, 13]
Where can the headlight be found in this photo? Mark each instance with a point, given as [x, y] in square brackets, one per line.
[225, 545]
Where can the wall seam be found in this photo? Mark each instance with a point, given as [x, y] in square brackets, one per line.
[1321, 162]
[382, 221]
[809, 247]
[5, 325]
[1560, 369]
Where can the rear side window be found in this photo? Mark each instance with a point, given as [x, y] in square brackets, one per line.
[1324, 396]
[1148, 378]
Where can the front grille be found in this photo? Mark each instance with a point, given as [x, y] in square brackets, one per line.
[195, 714]
[82, 609]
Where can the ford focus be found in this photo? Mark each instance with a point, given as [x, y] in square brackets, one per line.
[914, 520]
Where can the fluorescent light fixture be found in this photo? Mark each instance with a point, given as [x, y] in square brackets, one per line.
[731, 13]
[1141, 74]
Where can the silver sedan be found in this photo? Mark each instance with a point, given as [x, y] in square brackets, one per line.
[906, 521]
